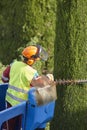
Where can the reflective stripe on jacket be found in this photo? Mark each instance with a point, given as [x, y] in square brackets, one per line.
[21, 75]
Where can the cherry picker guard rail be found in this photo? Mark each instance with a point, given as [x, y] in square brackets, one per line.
[33, 116]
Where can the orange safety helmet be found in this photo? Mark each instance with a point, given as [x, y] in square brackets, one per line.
[33, 53]
[29, 51]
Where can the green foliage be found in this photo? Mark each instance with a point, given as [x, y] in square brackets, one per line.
[11, 22]
[71, 39]
[40, 23]
[71, 63]
[22, 22]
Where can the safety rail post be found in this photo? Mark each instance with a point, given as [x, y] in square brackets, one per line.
[14, 111]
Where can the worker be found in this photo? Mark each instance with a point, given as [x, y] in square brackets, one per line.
[21, 76]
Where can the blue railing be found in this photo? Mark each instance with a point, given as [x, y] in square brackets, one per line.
[33, 116]
[13, 112]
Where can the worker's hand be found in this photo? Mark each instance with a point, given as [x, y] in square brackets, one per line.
[40, 81]
[50, 76]
[51, 80]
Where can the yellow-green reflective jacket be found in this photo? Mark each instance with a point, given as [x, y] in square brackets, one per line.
[21, 75]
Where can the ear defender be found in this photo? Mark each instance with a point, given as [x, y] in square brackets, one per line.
[30, 61]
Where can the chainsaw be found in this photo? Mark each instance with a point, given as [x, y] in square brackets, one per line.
[48, 93]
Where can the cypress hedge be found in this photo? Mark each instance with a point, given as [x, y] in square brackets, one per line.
[25, 22]
[39, 27]
[70, 62]
[11, 22]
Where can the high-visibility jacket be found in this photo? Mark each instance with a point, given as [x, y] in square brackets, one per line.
[21, 75]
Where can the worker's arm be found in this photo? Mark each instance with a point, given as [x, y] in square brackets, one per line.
[40, 81]
[5, 74]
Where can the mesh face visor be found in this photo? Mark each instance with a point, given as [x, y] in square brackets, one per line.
[43, 55]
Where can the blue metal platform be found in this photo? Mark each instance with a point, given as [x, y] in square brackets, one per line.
[33, 116]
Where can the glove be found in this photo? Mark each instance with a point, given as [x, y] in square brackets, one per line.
[40, 81]
[50, 76]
